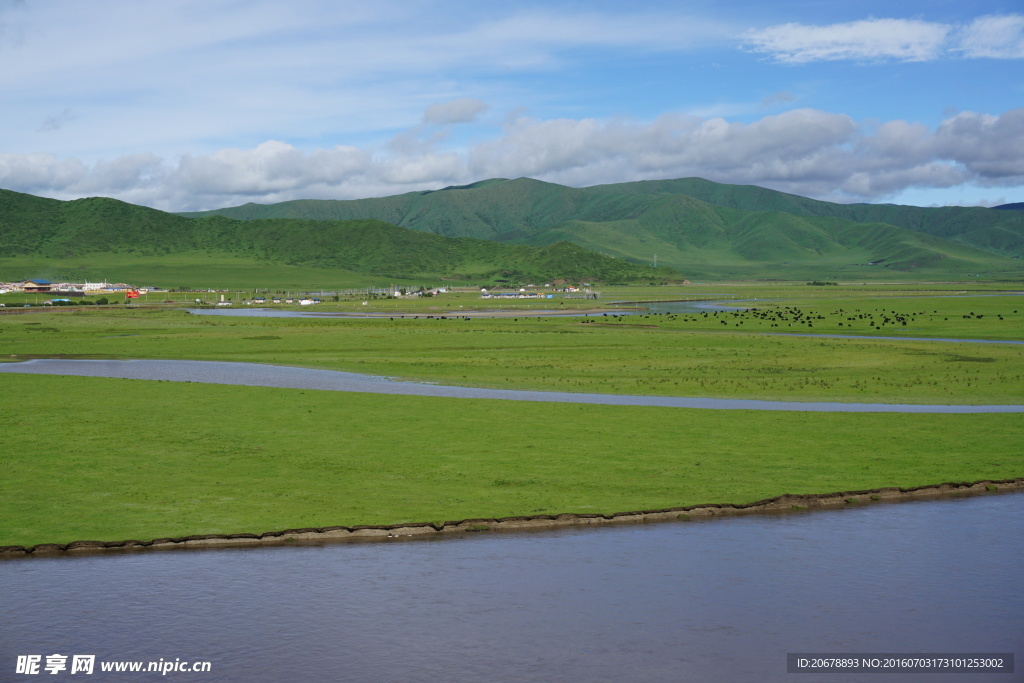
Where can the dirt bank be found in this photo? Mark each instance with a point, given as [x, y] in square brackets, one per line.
[431, 529]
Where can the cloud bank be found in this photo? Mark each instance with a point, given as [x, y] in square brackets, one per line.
[804, 151]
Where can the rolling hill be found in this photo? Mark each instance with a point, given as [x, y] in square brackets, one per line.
[35, 230]
[698, 227]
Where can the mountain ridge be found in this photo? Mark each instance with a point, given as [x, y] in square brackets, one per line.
[692, 223]
[47, 228]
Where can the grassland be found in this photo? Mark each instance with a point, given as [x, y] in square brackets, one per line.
[104, 459]
[108, 459]
[714, 353]
[190, 270]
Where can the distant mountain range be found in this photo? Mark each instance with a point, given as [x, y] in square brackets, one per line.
[524, 229]
[696, 226]
[33, 229]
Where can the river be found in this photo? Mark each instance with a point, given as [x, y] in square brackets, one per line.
[286, 377]
[718, 600]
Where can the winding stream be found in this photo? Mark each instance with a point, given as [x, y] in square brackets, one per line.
[255, 374]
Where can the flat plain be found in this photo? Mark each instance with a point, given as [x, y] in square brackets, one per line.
[110, 459]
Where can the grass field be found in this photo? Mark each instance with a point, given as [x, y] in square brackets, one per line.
[191, 270]
[107, 459]
[714, 354]
[104, 459]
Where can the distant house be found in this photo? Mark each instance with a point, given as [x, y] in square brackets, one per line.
[37, 286]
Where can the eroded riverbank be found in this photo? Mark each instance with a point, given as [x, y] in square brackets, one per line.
[420, 530]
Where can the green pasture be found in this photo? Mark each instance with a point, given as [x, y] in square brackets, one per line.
[716, 354]
[192, 270]
[108, 459]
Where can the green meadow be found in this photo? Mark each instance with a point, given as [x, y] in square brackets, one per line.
[106, 459]
[737, 354]
[190, 270]
[109, 459]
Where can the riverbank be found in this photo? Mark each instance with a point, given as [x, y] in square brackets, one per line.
[420, 530]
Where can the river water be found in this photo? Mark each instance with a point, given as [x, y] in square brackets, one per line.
[717, 600]
[256, 374]
[627, 308]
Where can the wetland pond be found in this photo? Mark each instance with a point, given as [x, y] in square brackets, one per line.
[718, 600]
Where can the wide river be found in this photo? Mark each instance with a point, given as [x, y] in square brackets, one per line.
[718, 600]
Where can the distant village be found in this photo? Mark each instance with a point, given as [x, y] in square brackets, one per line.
[59, 290]
[71, 288]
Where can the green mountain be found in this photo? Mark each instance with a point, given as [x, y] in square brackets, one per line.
[698, 227]
[985, 229]
[34, 229]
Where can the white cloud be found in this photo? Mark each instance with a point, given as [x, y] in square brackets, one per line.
[990, 146]
[270, 168]
[870, 39]
[803, 151]
[199, 74]
[994, 37]
[463, 110]
[908, 40]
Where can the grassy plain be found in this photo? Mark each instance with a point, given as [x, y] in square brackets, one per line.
[108, 459]
[715, 353]
[194, 270]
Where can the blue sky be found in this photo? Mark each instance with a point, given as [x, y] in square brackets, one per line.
[195, 104]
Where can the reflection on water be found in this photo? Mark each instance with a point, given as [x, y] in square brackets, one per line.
[722, 600]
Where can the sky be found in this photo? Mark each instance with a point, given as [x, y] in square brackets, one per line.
[187, 105]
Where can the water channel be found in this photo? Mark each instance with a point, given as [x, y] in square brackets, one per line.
[256, 374]
[717, 600]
